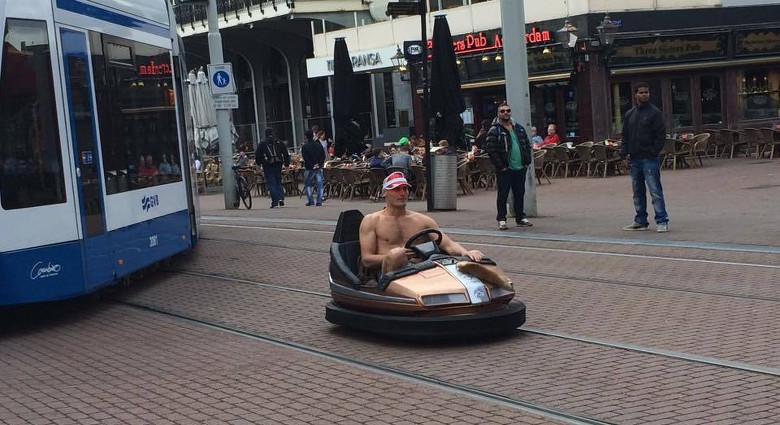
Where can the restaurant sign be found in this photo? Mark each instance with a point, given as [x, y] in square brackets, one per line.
[665, 49]
[758, 42]
[492, 40]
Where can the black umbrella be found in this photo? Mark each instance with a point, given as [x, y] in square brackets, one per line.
[446, 100]
[347, 135]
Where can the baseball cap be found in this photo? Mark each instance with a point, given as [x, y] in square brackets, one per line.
[394, 180]
[403, 141]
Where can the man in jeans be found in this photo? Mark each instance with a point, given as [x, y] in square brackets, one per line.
[313, 161]
[509, 149]
[272, 155]
[643, 139]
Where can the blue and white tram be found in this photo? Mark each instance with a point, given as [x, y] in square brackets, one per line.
[95, 182]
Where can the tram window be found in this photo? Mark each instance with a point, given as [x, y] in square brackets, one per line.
[138, 129]
[31, 171]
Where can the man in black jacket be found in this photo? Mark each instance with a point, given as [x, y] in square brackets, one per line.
[313, 161]
[272, 155]
[509, 149]
[644, 134]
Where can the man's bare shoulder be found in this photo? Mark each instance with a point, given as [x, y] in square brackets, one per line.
[421, 219]
[369, 221]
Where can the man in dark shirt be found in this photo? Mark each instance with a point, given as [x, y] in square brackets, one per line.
[643, 139]
[314, 162]
[272, 155]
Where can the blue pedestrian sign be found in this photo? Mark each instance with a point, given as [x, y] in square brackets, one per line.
[221, 78]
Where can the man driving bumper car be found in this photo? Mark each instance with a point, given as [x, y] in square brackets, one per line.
[415, 281]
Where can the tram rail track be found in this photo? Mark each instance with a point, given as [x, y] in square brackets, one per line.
[689, 357]
[562, 275]
[454, 388]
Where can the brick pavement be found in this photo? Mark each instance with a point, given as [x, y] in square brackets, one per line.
[118, 365]
[727, 201]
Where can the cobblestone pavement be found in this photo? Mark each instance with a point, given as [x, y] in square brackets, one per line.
[622, 327]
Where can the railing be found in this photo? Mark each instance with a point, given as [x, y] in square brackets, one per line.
[192, 14]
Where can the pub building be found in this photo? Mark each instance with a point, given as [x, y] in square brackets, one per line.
[707, 68]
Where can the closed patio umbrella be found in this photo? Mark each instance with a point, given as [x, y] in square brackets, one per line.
[345, 134]
[446, 99]
[204, 116]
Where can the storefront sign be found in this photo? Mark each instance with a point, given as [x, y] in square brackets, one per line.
[763, 42]
[492, 40]
[364, 61]
[669, 49]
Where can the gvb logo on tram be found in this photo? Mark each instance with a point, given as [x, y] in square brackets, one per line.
[149, 202]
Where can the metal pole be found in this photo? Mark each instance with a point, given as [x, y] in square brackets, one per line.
[223, 115]
[516, 73]
[426, 107]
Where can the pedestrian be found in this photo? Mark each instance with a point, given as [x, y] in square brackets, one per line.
[644, 135]
[272, 154]
[509, 149]
[479, 141]
[313, 162]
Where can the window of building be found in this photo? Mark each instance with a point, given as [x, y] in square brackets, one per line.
[387, 81]
[570, 113]
[435, 5]
[135, 106]
[758, 94]
[622, 101]
[682, 107]
[711, 100]
[31, 167]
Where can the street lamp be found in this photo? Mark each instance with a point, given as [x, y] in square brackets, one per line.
[567, 35]
[607, 31]
[400, 64]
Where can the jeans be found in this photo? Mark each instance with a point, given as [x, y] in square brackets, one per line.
[513, 180]
[310, 177]
[273, 178]
[647, 172]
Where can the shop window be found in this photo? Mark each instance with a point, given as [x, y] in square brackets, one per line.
[387, 83]
[622, 101]
[758, 94]
[682, 109]
[31, 167]
[711, 100]
[571, 115]
[135, 107]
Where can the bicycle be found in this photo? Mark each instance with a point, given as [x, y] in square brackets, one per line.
[243, 192]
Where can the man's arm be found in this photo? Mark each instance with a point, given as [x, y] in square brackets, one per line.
[368, 246]
[450, 246]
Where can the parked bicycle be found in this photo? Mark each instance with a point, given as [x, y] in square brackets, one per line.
[243, 192]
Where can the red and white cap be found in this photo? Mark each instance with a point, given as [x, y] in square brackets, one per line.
[394, 180]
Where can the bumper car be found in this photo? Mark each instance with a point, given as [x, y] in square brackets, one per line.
[438, 297]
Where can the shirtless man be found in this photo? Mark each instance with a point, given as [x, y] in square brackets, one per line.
[383, 233]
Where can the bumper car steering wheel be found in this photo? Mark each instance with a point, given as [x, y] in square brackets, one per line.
[424, 250]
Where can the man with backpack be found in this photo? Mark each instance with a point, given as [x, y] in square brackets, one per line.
[272, 155]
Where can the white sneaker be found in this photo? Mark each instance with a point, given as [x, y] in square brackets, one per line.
[663, 227]
[502, 225]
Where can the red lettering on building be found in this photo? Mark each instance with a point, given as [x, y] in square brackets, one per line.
[477, 42]
[153, 69]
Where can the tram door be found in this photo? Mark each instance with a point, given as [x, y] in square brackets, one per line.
[83, 132]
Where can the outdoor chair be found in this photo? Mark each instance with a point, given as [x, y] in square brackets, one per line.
[486, 172]
[462, 176]
[540, 165]
[356, 182]
[563, 159]
[419, 182]
[733, 141]
[753, 136]
[672, 154]
[376, 176]
[584, 150]
[604, 160]
[772, 139]
[700, 148]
